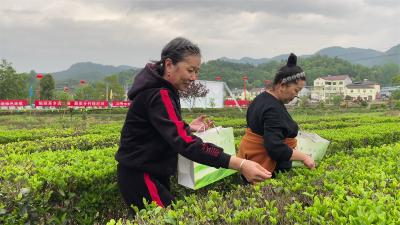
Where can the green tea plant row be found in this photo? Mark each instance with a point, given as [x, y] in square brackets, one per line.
[64, 186]
[337, 192]
[35, 134]
[50, 175]
[354, 122]
[83, 143]
[316, 123]
[344, 139]
[7, 136]
[337, 117]
[58, 187]
[353, 137]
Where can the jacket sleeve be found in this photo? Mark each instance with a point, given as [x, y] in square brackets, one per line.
[274, 137]
[165, 118]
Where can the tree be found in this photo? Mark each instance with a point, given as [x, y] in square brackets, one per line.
[195, 90]
[47, 87]
[86, 92]
[314, 66]
[336, 100]
[396, 80]
[12, 85]
[114, 85]
[303, 101]
[396, 95]
[64, 97]
[92, 91]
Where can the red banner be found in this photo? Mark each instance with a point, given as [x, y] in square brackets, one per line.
[88, 104]
[121, 103]
[231, 103]
[48, 103]
[13, 103]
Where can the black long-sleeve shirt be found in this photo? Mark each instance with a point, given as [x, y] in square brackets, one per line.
[154, 133]
[268, 117]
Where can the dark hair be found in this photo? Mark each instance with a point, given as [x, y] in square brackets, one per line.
[176, 50]
[290, 73]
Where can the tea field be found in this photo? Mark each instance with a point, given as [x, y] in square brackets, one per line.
[60, 169]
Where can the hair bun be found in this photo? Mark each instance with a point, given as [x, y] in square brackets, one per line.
[292, 60]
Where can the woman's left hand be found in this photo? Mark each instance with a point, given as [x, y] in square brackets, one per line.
[201, 123]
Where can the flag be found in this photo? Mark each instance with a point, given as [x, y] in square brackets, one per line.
[111, 94]
[30, 91]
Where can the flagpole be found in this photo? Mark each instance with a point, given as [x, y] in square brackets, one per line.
[109, 104]
[30, 100]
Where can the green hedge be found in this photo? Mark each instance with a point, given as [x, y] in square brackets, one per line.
[83, 143]
[345, 139]
[78, 187]
[327, 195]
[7, 136]
[72, 186]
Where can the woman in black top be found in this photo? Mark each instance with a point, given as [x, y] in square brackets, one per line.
[268, 120]
[154, 133]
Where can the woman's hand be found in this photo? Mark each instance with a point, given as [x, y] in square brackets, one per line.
[309, 162]
[252, 171]
[306, 159]
[201, 123]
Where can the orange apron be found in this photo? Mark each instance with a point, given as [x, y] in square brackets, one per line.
[252, 147]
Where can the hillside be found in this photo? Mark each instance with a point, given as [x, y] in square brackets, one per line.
[88, 71]
[365, 57]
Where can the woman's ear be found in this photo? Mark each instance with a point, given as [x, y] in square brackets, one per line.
[282, 85]
[168, 62]
[168, 66]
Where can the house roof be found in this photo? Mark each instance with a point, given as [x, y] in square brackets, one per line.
[366, 82]
[359, 87]
[338, 77]
[257, 89]
[363, 84]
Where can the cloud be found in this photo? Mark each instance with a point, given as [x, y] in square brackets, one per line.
[51, 35]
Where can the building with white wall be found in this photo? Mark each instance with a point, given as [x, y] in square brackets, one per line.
[365, 90]
[329, 86]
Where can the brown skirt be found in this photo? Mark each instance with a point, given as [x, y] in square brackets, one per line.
[252, 148]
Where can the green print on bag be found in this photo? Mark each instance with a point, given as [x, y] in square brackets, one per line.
[194, 175]
[312, 145]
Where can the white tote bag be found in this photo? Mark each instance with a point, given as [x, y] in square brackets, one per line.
[312, 145]
[195, 175]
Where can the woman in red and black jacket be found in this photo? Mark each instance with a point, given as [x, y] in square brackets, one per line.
[154, 133]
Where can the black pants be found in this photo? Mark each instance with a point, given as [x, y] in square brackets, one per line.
[135, 185]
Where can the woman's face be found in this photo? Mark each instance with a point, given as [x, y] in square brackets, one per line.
[289, 92]
[182, 74]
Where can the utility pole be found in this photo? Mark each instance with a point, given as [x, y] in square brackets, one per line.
[233, 97]
[245, 77]
[107, 92]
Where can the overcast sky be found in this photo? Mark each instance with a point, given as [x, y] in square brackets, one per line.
[51, 35]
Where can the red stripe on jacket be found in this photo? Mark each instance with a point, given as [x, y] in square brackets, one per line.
[172, 116]
[153, 190]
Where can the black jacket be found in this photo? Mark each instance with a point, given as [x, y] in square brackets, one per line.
[154, 133]
[268, 117]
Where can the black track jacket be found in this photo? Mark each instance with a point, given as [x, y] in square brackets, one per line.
[154, 133]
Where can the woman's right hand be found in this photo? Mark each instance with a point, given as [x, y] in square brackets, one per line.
[309, 162]
[254, 172]
[306, 159]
